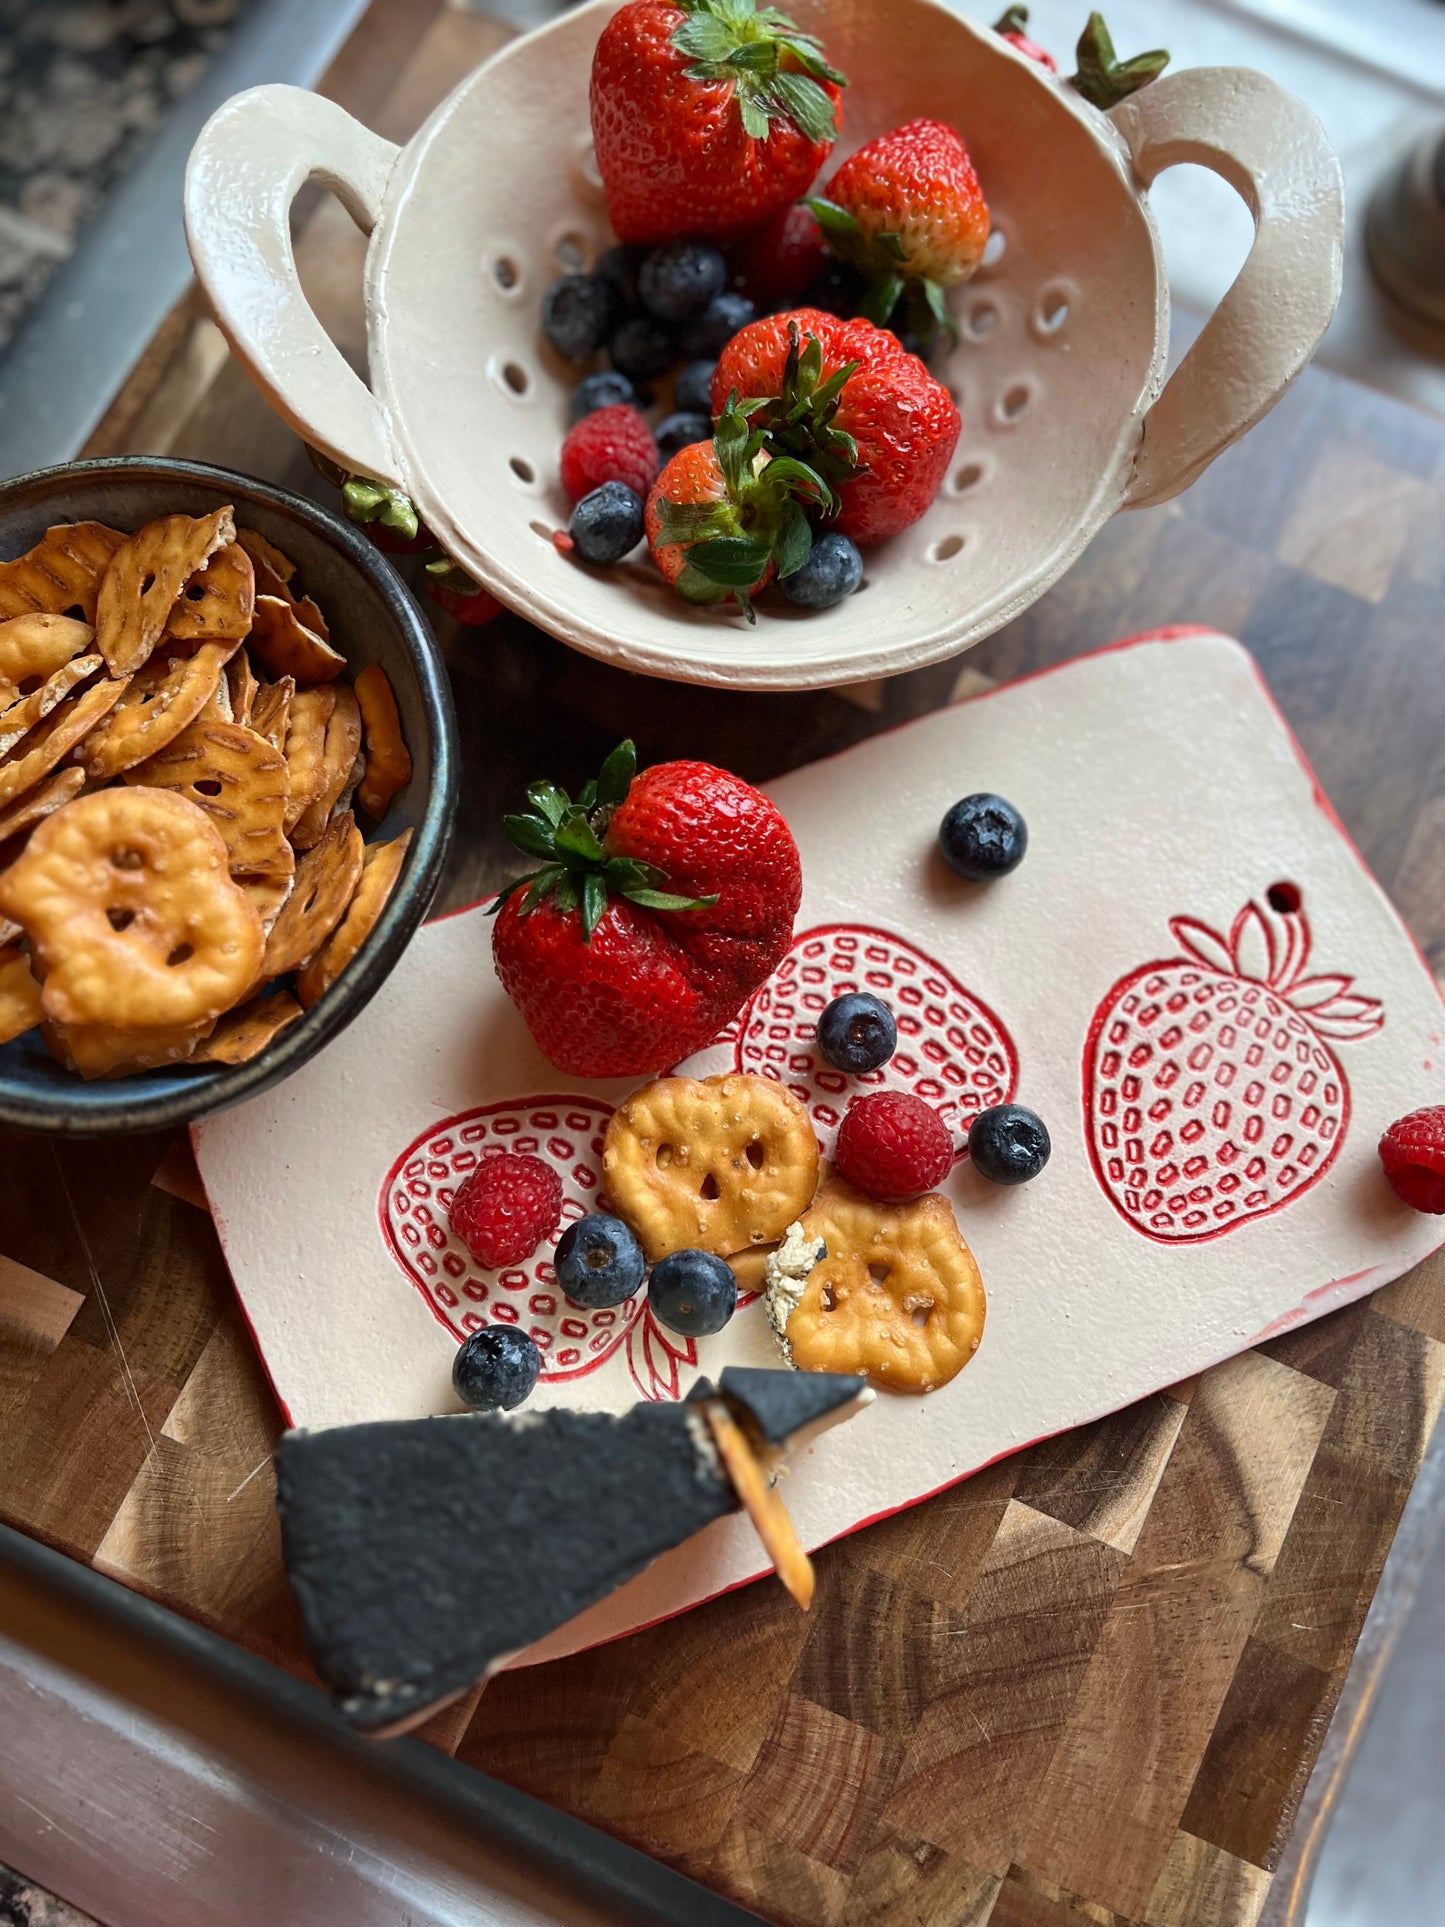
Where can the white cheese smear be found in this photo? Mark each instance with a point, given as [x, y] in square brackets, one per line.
[785, 1272]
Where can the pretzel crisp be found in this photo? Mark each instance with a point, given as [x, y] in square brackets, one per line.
[216, 605]
[270, 564]
[245, 1032]
[341, 746]
[717, 1164]
[20, 1008]
[236, 777]
[21, 717]
[243, 688]
[34, 648]
[388, 761]
[62, 571]
[108, 1050]
[269, 889]
[144, 578]
[131, 912]
[326, 880]
[378, 879]
[271, 711]
[306, 722]
[39, 752]
[284, 646]
[897, 1295]
[161, 700]
[42, 801]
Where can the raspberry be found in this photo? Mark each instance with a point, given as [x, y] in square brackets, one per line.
[609, 445]
[1413, 1154]
[506, 1207]
[893, 1146]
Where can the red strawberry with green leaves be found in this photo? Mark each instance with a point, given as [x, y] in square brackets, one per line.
[663, 900]
[907, 210]
[707, 116]
[454, 590]
[847, 401]
[724, 516]
[1012, 26]
[1102, 78]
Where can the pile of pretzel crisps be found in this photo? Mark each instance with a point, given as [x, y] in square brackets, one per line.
[178, 762]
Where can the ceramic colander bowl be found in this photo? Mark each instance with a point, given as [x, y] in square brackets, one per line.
[1058, 370]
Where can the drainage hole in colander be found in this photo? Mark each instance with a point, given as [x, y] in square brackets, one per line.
[516, 377]
[946, 548]
[572, 254]
[1052, 312]
[967, 476]
[981, 320]
[993, 249]
[506, 273]
[1014, 403]
[522, 469]
[540, 528]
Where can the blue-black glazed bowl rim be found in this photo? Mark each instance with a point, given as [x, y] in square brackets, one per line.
[109, 1109]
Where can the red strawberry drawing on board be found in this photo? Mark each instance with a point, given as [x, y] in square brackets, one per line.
[1211, 1093]
[952, 1050]
[463, 1296]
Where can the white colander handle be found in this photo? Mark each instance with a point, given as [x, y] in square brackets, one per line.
[1274, 154]
[253, 157]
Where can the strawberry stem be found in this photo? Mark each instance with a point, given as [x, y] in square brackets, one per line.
[774, 68]
[1012, 20]
[576, 870]
[1103, 79]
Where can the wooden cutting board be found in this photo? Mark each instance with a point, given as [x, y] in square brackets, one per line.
[1090, 1684]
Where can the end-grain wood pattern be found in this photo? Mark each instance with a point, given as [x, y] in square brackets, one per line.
[1089, 1683]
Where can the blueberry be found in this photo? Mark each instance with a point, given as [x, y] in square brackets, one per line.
[599, 1262]
[857, 1033]
[643, 348]
[607, 523]
[681, 431]
[618, 267]
[837, 289]
[833, 570]
[708, 333]
[680, 279]
[692, 391]
[579, 312]
[1008, 1144]
[603, 390]
[983, 837]
[495, 1369]
[693, 1293]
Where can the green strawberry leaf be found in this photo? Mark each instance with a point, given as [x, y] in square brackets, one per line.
[626, 873]
[1012, 20]
[881, 299]
[543, 884]
[732, 40]
[755, 117]
[531, 835]
[594, 903]
[615, 777]
[687, 521]
[587, 796]
[807, 106]
[795, 543]
[664, 900]
[702, 36]
[548, 801]
[575, 837]
[693, 586]
[1103, 79]
[808, 53]
[446, 575]
[836, 222]
[734, 561]
[755, 57]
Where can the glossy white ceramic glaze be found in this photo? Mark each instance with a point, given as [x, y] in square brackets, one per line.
[1058, 370]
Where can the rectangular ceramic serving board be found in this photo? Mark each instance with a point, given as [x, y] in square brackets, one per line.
[1230, 1191]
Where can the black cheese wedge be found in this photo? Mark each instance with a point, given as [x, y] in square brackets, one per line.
[423, 1553]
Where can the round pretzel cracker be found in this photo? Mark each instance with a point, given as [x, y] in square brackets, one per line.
[41, 801]
[380, 870]
[388, 760]
[897, 1295]
[236, 777]
[340, 749]
[34, 648]
[715, 1164]
[20, 1008]
[128, 902]
[161, 700]
[21, 717]
[145, 576]
[61, 572]
[217, 604]
[284, 646]
[326, 880]
[44, 746]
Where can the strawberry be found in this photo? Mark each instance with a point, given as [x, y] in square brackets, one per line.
[609, 445]
[846, 400]
[1011, 25]
[1210, 1090]
[1102, 78]
[908, 211]
[454, 590]
[776, 262]
[664, 899]
[707, 116]
[725, 515]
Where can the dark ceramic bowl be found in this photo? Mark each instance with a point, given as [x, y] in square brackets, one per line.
[373, 619]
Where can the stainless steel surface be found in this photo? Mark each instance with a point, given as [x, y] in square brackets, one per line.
[101, 308]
